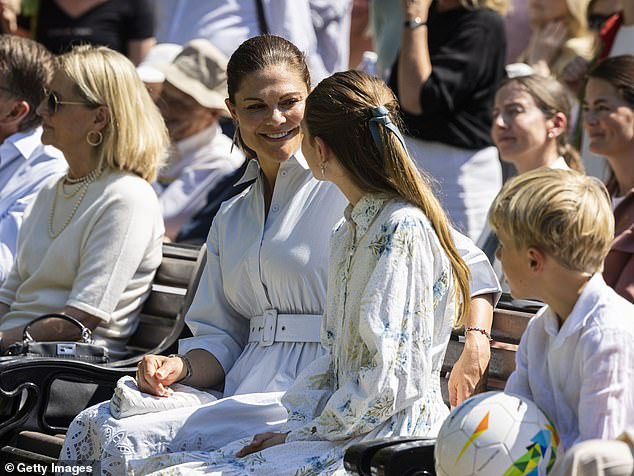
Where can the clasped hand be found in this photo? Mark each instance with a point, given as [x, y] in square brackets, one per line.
[155, 373]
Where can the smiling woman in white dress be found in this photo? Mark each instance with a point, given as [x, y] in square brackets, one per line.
[267, 259]
[396, 286]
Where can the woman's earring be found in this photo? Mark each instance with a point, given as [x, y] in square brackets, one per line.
[234, 142]
[551, 134]
[94, 141]
[322, 167]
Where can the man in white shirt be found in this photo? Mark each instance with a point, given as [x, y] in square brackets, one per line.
[26, 68]
[319, 28]
[192, 101]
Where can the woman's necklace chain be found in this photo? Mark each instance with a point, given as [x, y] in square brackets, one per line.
[81, 189]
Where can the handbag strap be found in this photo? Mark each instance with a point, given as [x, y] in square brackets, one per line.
[86, 334]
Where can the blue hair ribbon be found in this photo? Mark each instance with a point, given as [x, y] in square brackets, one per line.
[380, 115]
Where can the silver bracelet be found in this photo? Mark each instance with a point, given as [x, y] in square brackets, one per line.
[188, 366]
[482, 331]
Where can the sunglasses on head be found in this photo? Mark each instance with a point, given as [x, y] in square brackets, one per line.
[53, 102]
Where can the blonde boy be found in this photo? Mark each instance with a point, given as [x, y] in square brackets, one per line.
[576, 358]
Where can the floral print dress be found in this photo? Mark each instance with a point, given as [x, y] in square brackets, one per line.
[391, 307]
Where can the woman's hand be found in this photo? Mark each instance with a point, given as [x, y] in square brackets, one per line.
[155, 373]
[545, 44]
[574, 74]
[262, 441]
[9, 11]
[469, 369]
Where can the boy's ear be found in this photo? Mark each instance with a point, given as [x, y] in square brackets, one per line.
[536, 259]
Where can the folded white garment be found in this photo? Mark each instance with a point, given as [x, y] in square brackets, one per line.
[128, 400]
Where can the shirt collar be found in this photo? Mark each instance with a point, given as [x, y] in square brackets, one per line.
[252, 171]
[364, 211]
[198, 140]
[560, 163]
[581, 312]
[20, 144]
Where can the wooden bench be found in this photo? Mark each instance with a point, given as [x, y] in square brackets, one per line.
[33, 438]
[161, 322]
[408, 455]
[32, 431]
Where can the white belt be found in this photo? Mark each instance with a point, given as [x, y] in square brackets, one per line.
[273, 327]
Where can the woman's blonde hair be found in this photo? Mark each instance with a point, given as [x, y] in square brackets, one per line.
[135, 139]
[338, 111]
[550, 97]
[578, 20]
[499, 6]
[563, 213]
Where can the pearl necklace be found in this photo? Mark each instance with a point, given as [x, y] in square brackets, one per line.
[79, 182]
[82, 188]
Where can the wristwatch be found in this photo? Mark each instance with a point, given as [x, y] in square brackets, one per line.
[414, 23]
[188, 366]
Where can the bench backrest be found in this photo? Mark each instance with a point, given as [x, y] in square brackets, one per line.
[161, 321]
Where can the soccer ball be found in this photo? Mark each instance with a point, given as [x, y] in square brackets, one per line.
[496, 434]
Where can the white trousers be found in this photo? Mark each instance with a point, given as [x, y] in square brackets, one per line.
[467, 181]
[597, 458]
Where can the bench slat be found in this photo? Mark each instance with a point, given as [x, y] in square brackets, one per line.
[508, 325]
[163, 304]
[167, 297]
[174, 272]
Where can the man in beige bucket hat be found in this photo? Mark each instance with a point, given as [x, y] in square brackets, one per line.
[192, 101]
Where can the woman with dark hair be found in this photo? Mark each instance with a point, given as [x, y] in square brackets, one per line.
[257, 313]
[608, 118]
[395, 287]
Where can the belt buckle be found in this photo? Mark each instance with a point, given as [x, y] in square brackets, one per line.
[269, 327]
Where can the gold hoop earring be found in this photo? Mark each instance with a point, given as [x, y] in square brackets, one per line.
[96, 142]
[322, 167]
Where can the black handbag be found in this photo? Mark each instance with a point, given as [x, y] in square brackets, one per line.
[85, 349]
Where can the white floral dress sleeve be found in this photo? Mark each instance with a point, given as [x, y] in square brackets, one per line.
[380, 360]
